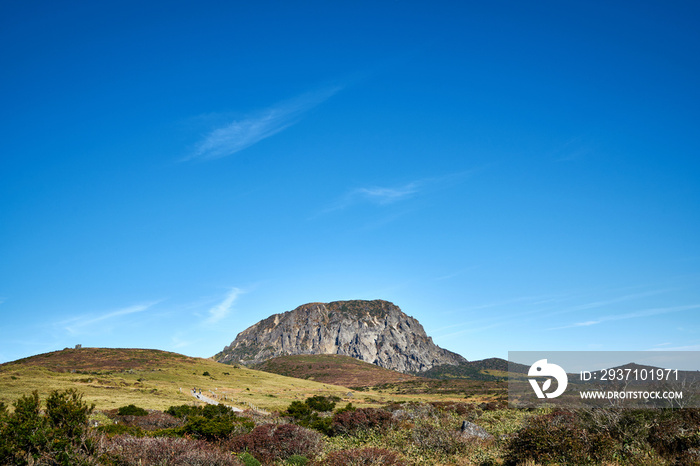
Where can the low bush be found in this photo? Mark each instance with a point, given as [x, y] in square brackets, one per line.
[676, 437]
[321, 403]
[306, 414]
[210, 422]
[438, 439]
[364, 457]
[112, 430]
[132, 451]
[269, 443]
[461, 409]
[214, 429]
[248, 460]
[297, 460]
[351, 422]
[208, 411]
[298, 410]
[132, 410]
[559, 437]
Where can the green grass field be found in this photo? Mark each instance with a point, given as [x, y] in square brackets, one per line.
[151, 379]
[154, 379]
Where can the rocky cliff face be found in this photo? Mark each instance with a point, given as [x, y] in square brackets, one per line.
[373, 331]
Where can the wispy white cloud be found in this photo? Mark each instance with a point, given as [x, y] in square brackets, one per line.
[178, 342]
[225, 307]
[387, 195]
[629, 315]
[243, 133]
[695, 347]
[616, 300]
[81, 324]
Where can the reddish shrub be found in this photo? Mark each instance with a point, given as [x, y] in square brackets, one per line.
[462, 409]
[559, 437]
[154, 420]
[128, 451]
[364, 457]
[270, 442]
[676, 438]
[350, 422]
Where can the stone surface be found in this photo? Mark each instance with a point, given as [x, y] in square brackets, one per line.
[471, 430]
[376, 331]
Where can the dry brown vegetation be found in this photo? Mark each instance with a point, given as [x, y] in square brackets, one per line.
[334, 369]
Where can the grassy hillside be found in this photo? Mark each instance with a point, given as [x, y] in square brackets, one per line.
[462, 371]
[332, 369]
[491, 369]
[470, 383]
[111, 377]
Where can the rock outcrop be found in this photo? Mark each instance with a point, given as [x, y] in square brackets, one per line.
[377, 332]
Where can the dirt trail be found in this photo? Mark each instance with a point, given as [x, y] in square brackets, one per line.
[211, 401]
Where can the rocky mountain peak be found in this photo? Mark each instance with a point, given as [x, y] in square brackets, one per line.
[375, 331]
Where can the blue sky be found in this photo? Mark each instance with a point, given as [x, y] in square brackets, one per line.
[516, 176]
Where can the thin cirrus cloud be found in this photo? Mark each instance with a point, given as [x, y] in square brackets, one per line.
[83, 324]
[241, 134]
[388, 195]
[383, 196]
[224, 308]
[375, 195]
[630, 315]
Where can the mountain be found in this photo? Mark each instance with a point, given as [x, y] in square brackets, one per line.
[376, 331]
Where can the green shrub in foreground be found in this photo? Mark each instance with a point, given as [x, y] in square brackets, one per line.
[248, 459]
[57, 436]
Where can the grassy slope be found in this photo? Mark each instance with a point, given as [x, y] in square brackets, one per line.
[150, 379]
[333, 369]
[383, 384]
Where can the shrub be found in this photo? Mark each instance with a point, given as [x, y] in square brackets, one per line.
[299, 410]
[677, 437]
[462, 409]
[155, 421]
[208, 411]
[304, 415]
[364, 457]
[437, 439]
[348, 407]
[121, 429]
[58, 436]
[248, 460]
[320, 403]
[24, 432]
[132, 410]
[269, 442]
[131, 451]
[351, 422]
[559, 438]
[216, 428]
[297, 460]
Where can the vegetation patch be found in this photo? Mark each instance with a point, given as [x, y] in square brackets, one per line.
[334, 369]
